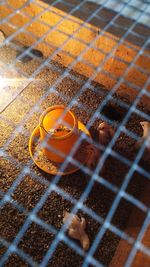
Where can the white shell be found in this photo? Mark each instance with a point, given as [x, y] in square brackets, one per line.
[76, 229]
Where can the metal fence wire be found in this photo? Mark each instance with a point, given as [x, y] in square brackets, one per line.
[93, 57]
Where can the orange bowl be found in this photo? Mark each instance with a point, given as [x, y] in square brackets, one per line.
[59, 129]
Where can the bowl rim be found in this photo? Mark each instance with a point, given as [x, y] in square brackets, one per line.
[75, 126]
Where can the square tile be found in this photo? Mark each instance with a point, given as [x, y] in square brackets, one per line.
[130, 12]
[138, 4]
[36, 242]
[106, 14]
[90, 100]
[32, 121]
[64, 7]
[53, 209]
[11, 221]
[139, 187]
[50, 17]
[81, 15]
[8, 173]
[141, 258]
[142, 30]
[106, 248]
[136, 77]
[37, 9]
[143, 62]
[29, 192]
[116, 31]
[100, 199]
[115, 5]
[144, 19]
[115, 67]
[115, 171]
[17, 111]
[19, 149]
[69, 87]
[97, 22]
[55, 38]
[121, 254]
[93, 57]
[74, 47]
[125, 53]
[134, 39]
[5, 132]
[124, 21]
[14, 259]
[89, 7]
[88, 37]
[63, 251]
[129, 218]
[68, 27]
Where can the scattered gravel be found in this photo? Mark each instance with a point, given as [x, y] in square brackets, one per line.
[11, 220]
[36, 241]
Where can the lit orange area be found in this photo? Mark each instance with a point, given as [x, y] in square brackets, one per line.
[136, 77]
[128, 54]
[105, 79]
[115, 67]
[93, 57]
[19, 20]
[80, 66]
[71, 47]
[143, 62]
[106, 43]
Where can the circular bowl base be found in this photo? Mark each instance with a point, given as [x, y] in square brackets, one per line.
[50, 166]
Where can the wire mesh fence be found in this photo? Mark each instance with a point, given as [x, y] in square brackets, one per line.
[94, 59]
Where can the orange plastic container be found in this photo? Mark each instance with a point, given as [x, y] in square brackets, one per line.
[62, 141]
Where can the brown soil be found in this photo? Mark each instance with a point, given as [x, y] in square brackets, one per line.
[28, 192]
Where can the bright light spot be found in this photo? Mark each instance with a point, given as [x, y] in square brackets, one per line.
[3, 82]
[10, 88]
[11, 84]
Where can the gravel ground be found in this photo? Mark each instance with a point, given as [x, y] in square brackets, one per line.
[36, 241]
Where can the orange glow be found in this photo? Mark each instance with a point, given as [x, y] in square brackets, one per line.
[62, 142]
[71, 47]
